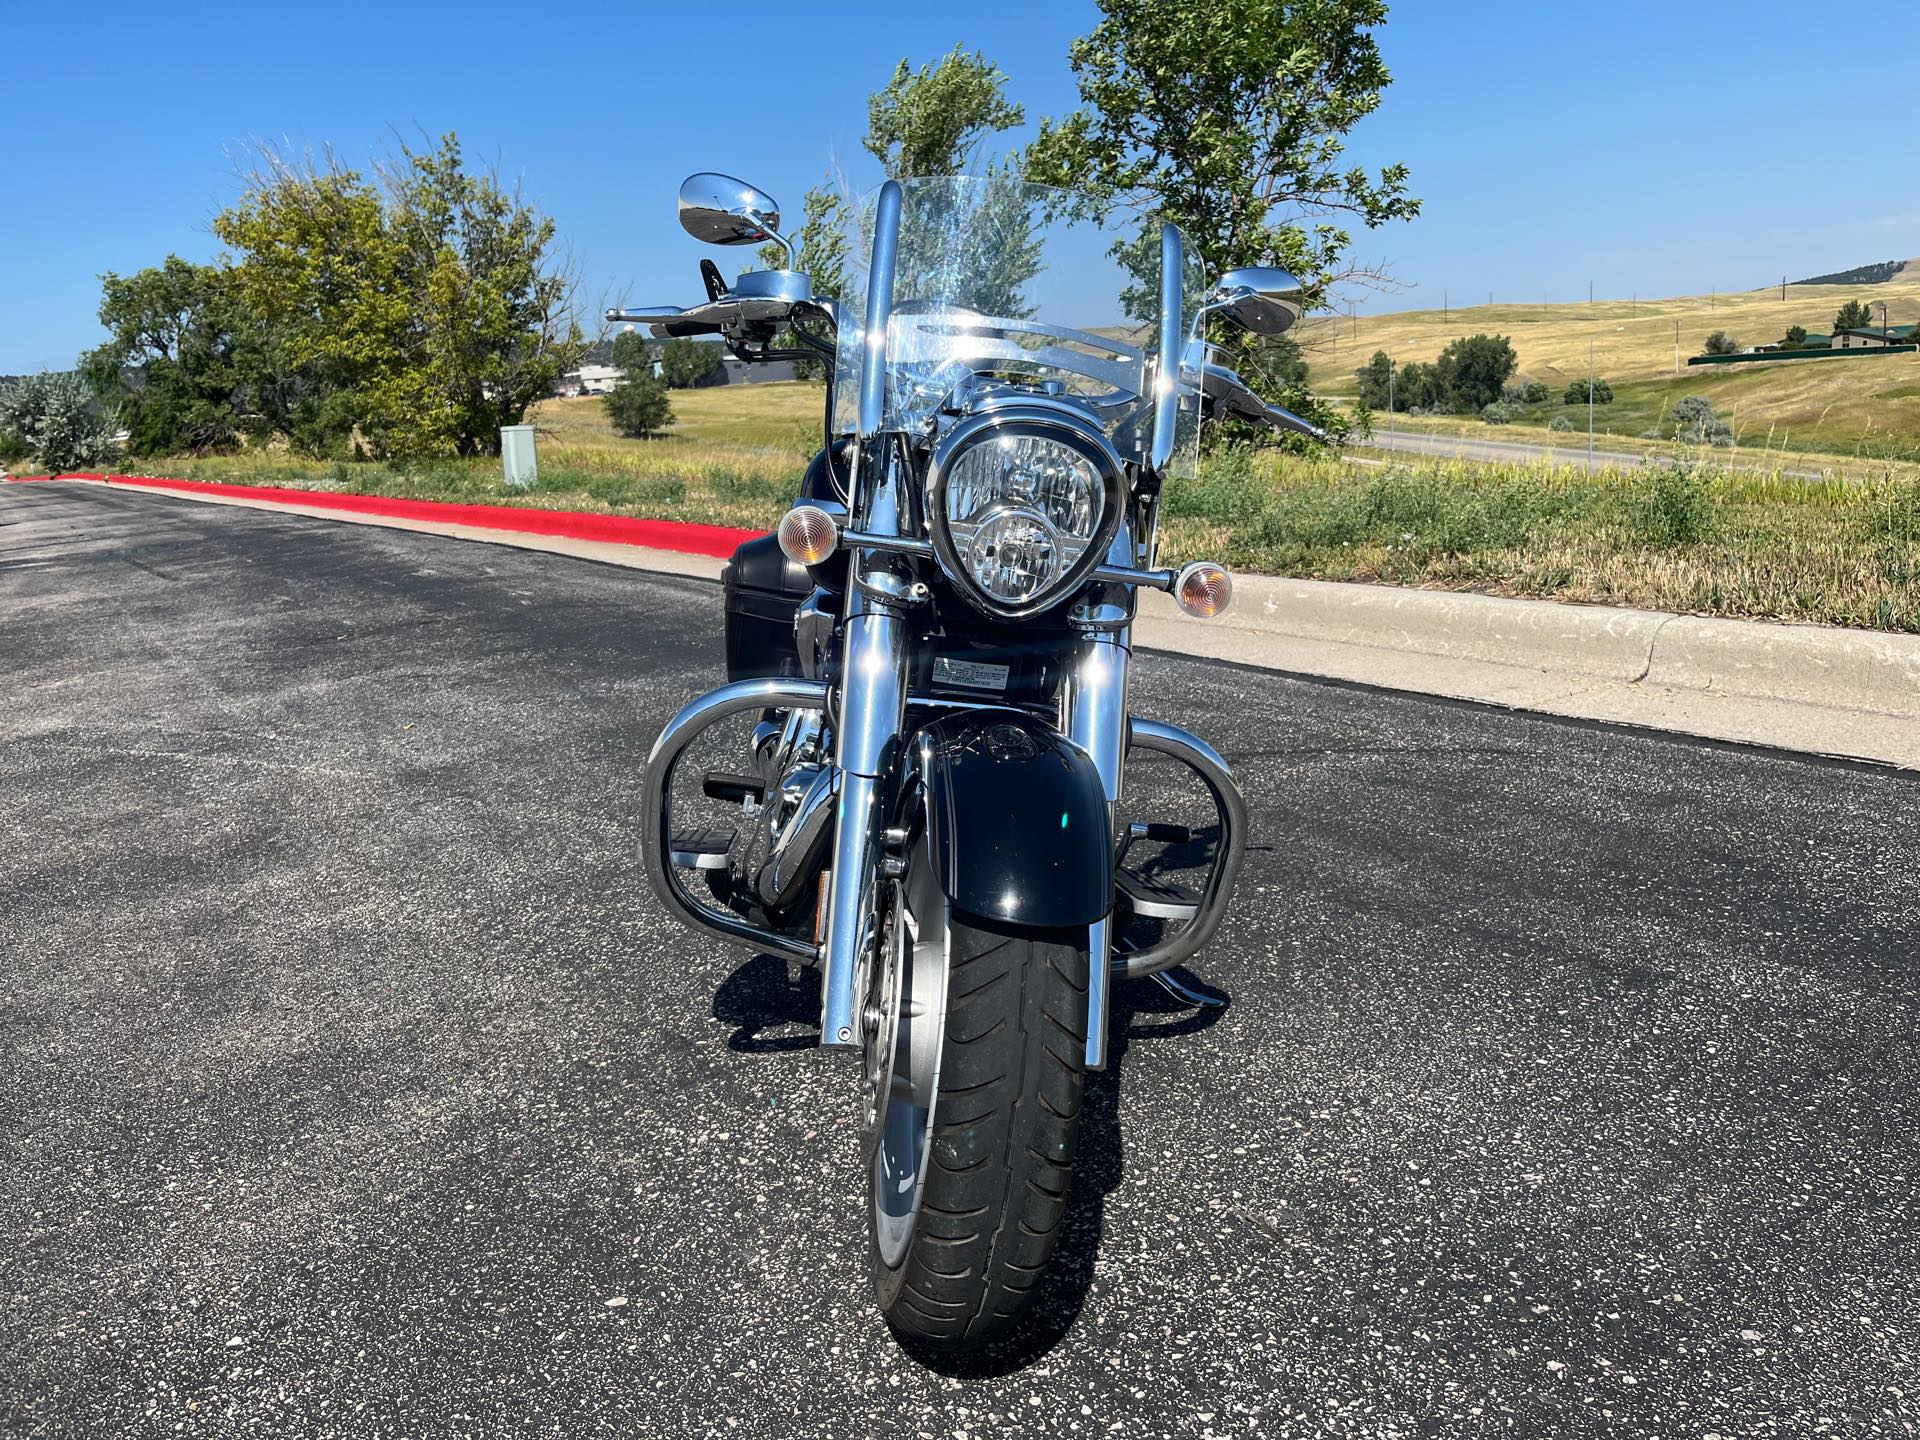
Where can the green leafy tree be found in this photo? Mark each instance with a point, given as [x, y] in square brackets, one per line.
[689, 363]
[188, 367]
[58, 421]
[1535, 392]
[430, 308]
[1854, 315]
[1473, 370]
[632, 353]
[1375, 382]
[1721, 343]
[1576, 393]
[1230, 118]
[638, 406]
[930, 121]
[1795, 338]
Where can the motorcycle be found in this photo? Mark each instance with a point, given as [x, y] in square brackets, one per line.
[934, 650]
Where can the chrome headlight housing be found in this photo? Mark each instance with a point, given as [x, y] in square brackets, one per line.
[1025, 500]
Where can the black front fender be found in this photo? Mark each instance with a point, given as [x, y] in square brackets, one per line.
[1017, 820]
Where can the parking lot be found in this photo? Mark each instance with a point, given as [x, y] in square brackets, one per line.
[356, 1085]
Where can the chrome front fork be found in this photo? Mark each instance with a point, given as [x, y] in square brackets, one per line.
[1093, 715]
[870, 714]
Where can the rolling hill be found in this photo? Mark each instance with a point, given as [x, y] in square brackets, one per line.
[1847, 407]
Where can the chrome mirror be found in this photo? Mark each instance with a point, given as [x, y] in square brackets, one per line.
[1260, 298]
[724, 211]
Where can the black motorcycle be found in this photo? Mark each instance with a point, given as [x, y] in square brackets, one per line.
[934, 648]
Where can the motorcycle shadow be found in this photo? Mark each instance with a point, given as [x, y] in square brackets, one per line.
[761, 997]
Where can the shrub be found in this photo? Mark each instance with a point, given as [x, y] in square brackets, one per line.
[1497, 413]
[56, 418]
[1559, 422]
[1696, 422]
[12, 446]
[638, 405]
[1721, 343]
[1675, 508]
[1576, 393]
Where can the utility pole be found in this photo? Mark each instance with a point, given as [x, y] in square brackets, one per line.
[1676, 347]
[1589, 294]
[1783, 289]
[1389, 402]
[1444, 307]
[1886, 335]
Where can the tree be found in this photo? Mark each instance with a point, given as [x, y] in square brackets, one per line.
[690, 363]
[632, 353]
[1229, 118]
[1472, 371]
[428, 309]
[58, 420]
[1795, 338]
[929, 121]
[188, 367]
[1376, 388]
[1576, 393]
[1721, 343]
[1854, 315]
[638, 406]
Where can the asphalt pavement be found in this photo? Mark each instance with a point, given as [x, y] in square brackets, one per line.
[352, 1083]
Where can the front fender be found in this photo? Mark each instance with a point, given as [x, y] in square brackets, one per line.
[1017, 820]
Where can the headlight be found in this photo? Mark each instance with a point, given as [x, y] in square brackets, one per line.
[1025, 504]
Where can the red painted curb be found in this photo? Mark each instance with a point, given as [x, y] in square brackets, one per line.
[678, 535]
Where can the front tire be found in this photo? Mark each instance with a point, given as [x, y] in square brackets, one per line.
[966, 1260]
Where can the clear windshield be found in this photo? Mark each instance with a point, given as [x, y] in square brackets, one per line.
[997, 279]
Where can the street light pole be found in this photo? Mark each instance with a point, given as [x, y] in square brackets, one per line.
[1389, 402]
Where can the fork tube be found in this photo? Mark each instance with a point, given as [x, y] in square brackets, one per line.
[868, 719]
[1095, 703]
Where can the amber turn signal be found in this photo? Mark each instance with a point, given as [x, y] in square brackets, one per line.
[1203, 589]
[808, 534]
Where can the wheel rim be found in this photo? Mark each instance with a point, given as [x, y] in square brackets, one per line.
[901, 1138]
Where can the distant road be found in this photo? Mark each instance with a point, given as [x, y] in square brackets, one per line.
[1569, 450]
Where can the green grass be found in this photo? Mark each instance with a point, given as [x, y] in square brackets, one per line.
[1766, 544]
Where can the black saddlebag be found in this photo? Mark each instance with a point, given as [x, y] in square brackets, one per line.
[763, 590]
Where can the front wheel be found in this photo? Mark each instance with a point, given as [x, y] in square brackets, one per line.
[975, 1070]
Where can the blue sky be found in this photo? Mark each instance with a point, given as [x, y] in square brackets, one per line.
[1649, 148]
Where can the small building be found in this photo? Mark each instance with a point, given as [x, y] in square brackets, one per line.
[591, 380]
[1873, 337]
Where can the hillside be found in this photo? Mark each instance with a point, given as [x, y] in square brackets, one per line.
[1875, 274]
[1841, 406]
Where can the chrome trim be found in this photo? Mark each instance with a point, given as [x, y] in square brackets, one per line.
[656, 841]
[1093, 715]
[871, 701]
[1205, 761]
[873, 359]
[1166, 380]
[798, 832]
[975, 430]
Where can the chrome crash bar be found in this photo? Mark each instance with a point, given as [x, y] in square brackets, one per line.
[657, 842]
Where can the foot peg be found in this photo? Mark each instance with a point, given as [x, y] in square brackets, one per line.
[1156, 899]
[701, 847]
[719, 785]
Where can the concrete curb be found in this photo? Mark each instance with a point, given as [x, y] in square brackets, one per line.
[1827, 691]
